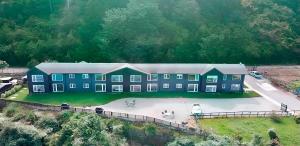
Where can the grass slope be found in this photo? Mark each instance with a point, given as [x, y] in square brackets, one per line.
[287, 129]
[86, 99]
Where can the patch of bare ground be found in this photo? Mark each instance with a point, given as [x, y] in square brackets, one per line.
[281, 76]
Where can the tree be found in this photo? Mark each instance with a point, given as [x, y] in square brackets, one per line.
[3, 65]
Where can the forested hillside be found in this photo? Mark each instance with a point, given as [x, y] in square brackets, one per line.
[203, 31]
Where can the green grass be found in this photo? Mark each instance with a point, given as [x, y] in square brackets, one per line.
[287, 129]
[86, 99]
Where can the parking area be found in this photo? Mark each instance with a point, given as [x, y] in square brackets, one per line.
[182, 107]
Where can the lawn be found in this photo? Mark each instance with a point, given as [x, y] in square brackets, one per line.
[287, 129]
[86, 99]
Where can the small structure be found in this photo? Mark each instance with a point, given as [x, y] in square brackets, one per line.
[5, 86]
[6, 79]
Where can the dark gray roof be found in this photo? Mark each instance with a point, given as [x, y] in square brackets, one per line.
[105, 68]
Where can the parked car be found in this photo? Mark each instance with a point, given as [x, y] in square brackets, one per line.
[65, 106]
[99, 110]
[256, 74]
[196, 110]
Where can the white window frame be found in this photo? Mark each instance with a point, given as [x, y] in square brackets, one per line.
[119, 86]
[54, 87]
[149, 77]
[35, 80]
[223, 86]
[72, 85]
[214, 79]
[196, 76]
[167, 76]
[149, 87]
[85, 85]
[195, 88]
[239, 77]
[179, 76]
[36, 87]
[166, 85]
[178, 86]
[71, 76]
[103, 77]
[132, 77]
[103, 87]
[132, 88]
[231, 87]
[120, 78]
[85, 76]
[54, 78]
[224, 77]
[211, 86]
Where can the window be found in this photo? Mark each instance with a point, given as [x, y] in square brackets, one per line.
[86, 85]
[58, 87]
[193, 77]
[100, 77]
[72, 85]
[224, 77]
[135, 88]
[165, 85]
[152, 87]
[135, 78]
[71, 76]
[100, 87]
[178, 85]
[211, 88]
[166, 76]
[211, 79]
[116, 78]
[57, 77]
[152, 77]
[179, 76]
[236, 77]
[85, 76]
[192, 88]
[117, 88]
[235, 87]
[223, 86]
[37, 78]
[38, 88]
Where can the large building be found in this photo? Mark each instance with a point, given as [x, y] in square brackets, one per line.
[130, 77]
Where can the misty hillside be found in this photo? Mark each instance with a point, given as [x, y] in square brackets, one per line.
[210, 31]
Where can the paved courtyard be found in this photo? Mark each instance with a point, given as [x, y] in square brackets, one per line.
[182, 107]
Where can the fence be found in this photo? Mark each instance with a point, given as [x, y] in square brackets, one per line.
[243, 114]
[108, 114]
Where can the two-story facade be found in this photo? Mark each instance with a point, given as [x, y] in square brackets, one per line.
[129, 77]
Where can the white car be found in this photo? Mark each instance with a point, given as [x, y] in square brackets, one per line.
[256, 74]
[196, 110]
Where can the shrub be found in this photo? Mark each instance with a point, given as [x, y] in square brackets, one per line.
[11, 110]
[19, 116]
[150, 129]
[48, 123]
[181, 142]
[272, 133]
[8, 93]
[275, 118]
[257, 141]
[297, 119]
[3, 95]
[31, 117]
[64, 117]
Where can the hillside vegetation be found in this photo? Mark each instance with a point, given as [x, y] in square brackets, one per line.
[210, 31]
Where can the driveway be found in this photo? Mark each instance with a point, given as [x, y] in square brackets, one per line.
[182, 107]
[273, 94]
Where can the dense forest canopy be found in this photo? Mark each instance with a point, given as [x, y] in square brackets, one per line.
[202, 31]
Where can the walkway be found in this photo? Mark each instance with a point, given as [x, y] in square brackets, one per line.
[273, 94]
[182, 107]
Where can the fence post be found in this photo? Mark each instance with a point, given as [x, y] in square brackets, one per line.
[242, 115]
[249, 114]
